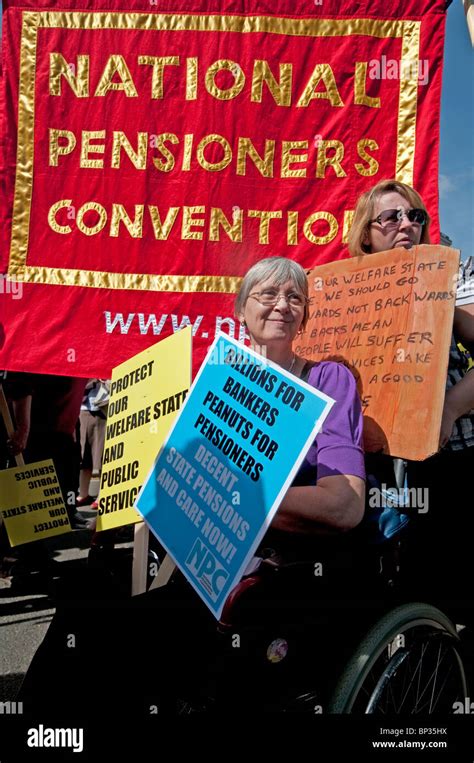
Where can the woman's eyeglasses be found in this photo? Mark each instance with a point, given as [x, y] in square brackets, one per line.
[391, 218]
[271, 297]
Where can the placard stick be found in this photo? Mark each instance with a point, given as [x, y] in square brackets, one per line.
[140, 558]
[7, 419]
[167, 568]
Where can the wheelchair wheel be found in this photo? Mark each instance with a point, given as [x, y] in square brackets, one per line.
[408, 664]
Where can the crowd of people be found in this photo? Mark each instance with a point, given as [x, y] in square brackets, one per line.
[326, 501]
[64, 418]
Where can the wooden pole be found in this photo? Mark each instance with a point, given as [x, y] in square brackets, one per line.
[140, 558]
[140, 549]
[140, 563]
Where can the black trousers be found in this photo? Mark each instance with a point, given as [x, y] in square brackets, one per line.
[65, 452]
[439, 558]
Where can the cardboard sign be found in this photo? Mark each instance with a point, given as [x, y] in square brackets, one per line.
[146, 394]
[227, 465]
[389, 317]
[31, 503]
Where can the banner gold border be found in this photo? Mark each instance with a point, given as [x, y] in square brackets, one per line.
[407, 30]
[144, 281]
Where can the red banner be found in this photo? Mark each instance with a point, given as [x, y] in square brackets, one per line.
[150, 156]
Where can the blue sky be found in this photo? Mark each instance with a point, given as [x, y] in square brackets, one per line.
[456, 168]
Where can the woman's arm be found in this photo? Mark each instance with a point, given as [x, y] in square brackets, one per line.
[459, 400]
[464, 325]
[22, 412]
[335, 500]
[335, 503]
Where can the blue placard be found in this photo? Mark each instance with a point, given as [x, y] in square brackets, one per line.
[228, 461]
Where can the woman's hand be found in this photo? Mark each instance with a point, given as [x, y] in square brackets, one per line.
[447, 424]
[22, 413]
[17, 442]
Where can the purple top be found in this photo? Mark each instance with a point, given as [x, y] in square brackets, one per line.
[337, 448]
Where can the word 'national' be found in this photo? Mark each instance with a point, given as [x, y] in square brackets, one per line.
[224, 80]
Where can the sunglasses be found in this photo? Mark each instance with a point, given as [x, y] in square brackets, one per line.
[391, 218]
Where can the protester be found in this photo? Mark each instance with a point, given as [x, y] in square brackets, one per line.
[12, 445]
[177, 634]
[392, 215]
[21, 417]
[93, 419]
[47, 428]
[312, 523]
[327, 494]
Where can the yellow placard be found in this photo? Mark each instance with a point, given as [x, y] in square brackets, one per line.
[146, 393]
[31, 503]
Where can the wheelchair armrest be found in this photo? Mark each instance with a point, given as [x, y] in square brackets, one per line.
[225, 623]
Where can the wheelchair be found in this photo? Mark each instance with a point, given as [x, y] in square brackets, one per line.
[336, 631]
[344, 642]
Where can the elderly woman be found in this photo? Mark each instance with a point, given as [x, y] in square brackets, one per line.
[327, 495]
[392, 215]
[172, 623]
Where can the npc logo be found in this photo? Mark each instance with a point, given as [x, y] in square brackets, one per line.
[208, 571]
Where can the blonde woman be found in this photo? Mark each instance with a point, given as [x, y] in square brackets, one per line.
[390, 215]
